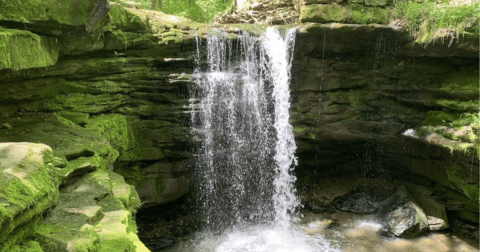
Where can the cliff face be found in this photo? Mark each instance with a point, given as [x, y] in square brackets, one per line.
[100, 88]
[106, 87]
[366, 96]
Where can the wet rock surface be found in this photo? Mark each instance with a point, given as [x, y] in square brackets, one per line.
[362, 200]
[401, 216]
[317, 207]
[162, 226]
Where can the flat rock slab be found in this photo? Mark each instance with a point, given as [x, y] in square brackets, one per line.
[362, 200]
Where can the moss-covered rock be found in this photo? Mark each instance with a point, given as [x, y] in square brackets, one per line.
[27, 246]
[323, 13]
[122, 19]
[23, 50]
[28, 188]
[70, 13]
[465, 179]
[117, 233]
[78, 222]
[157, 183]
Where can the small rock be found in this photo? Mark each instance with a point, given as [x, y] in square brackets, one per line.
[436, 224]
[6, 126]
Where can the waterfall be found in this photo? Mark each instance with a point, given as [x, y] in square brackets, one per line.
[245, 154]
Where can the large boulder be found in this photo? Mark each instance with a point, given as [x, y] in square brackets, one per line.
[435, 211]
[401, 216]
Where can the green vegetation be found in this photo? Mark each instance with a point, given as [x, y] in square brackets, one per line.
[323, 13]
[459, 176]
[198, 10]
[429, 20]
[365, 15]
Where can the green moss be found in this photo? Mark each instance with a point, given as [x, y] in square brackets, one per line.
[84, 103]
[366, 15]
[77, 118]
[30, 197]
[353, 13]
[123, 244]
[27, 246]
[23, 49]
[114, 128]
[115, 234]
[323, 13]
[20, 234]
[121, 40]
[455, 120]
[461, 176]
[469, 216]
[61, 87]
[438, 118]
[63, 120]
[469, 204]
[471, 105]
[150, 153]
[77, 236]
[39, 208]
[74, 13]
[299, 129]
[463, 82]
[122, 19]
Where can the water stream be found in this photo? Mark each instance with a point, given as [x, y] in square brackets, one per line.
[247, 149]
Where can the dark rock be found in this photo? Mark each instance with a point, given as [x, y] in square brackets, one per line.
[362, 200]
[316, 207]
[159, 244]
[401, 216]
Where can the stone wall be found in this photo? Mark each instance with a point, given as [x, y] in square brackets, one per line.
[365, 100]
[105, 89]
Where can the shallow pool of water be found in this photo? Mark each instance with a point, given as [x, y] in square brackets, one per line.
[340, 231]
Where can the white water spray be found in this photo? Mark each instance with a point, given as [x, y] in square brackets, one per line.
[247, 153]
[280, 51]
[248, 149]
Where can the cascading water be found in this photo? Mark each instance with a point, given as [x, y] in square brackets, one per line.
[246, 152]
